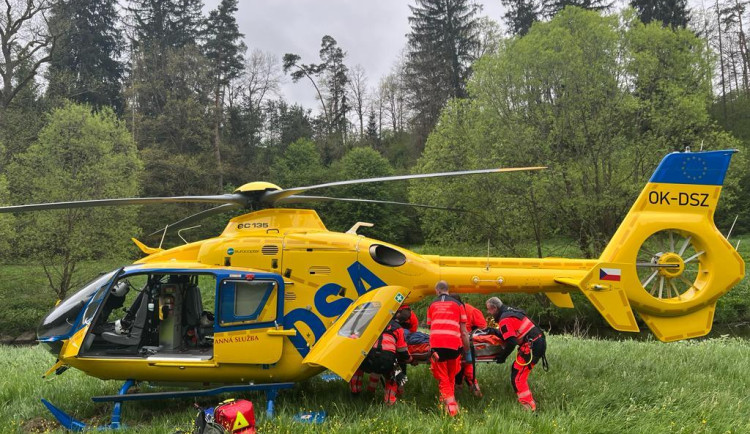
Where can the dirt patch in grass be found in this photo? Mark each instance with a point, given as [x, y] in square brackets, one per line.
[39, 424]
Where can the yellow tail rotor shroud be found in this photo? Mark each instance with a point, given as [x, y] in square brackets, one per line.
[687, 270]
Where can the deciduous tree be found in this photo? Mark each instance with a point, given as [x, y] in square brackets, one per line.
[358, 90]
[607, 99]
[551, 8]
[391, 223]
[79, 155]
[25, 45]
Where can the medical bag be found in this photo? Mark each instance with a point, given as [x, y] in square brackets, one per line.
[236, 416]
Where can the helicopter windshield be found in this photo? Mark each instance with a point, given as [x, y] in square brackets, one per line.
[63, 317]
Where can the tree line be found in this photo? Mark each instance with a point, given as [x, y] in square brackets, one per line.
[159, 98]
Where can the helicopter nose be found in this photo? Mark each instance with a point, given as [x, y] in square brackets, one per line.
[54, 347]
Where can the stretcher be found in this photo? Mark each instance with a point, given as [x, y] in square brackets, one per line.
[485, 346]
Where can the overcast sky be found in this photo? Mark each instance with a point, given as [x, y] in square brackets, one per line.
[372, 33]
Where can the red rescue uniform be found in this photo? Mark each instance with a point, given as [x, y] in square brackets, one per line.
[381, 361]
[445, 317]
[515, 328]
[475, 320]
[410, 321]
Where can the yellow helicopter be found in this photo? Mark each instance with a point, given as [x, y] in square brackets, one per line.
[278, 298]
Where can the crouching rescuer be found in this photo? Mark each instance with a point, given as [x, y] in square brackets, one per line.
[516, 329]
[385, 360]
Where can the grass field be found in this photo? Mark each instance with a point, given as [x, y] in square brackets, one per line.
[593, 386]
[596, 386]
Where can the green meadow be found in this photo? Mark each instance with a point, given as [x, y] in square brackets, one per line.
[594, 386]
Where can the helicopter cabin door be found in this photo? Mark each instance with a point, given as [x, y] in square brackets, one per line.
[250, 311]
[345, 345]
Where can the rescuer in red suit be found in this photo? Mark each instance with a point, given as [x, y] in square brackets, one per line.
[382, 359]
[474, 321]
[446, 318]
[406, 317]
[516, 329]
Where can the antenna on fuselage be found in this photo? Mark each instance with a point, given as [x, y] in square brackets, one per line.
[179, 233]
[353, 229]
[488, 255]
[729, 234]
[164, 234]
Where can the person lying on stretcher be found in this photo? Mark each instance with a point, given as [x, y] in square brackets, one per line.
[485, 344]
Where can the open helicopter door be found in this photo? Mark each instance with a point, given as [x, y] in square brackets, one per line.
[344, 346]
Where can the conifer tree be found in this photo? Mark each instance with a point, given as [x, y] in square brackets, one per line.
[520, 15]
[672, 13]
[336, 78]
[225, 50]
[166, 23]
[371, 133]
[330, 79]
[84, 66]
[441, 44]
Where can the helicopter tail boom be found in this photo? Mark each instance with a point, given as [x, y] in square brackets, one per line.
[668, 261]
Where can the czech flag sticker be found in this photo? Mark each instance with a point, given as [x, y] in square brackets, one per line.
[611, 274]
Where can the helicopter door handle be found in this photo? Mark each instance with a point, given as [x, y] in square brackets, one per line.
[274, 332]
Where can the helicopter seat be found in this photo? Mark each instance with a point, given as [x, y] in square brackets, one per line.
[136, 331]
[192, 312]
[192, 307]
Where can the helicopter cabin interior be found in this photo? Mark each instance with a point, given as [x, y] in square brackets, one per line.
[145, 315]
[172, 316]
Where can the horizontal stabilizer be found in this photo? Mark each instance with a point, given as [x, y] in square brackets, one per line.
[692, 325]
[568, 281]
[560, 299]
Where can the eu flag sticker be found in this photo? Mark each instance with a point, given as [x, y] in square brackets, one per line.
[611, 274]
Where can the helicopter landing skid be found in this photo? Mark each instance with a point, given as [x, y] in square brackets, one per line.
[72, 424]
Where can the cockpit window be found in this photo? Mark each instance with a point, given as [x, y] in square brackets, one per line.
[63, 317]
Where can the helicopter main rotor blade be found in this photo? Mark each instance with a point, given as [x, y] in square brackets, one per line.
[306, 199]
[236, 199]
[197, 217]
[271, 197]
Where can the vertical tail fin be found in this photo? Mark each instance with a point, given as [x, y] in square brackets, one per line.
[668, 261]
